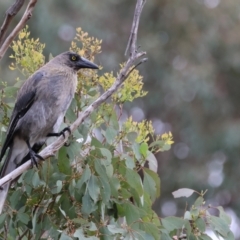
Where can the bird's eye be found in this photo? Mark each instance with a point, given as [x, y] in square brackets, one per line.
[74, 58]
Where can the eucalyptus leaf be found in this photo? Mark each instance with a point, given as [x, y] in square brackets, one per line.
[219, 225]
[183, 192]
[110, 134]
[134, 180]
[223, 215]
[93, 188]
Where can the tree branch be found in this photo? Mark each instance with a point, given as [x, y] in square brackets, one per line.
[132, 42]
[10, 13]
[122, 76]
[26, 16]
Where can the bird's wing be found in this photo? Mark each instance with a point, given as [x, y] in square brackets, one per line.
[25, 99]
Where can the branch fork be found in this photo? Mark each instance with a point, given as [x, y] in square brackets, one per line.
[10, 13]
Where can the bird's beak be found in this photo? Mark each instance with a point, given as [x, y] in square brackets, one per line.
[84, 63]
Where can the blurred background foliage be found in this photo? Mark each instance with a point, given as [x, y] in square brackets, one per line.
[192, 76]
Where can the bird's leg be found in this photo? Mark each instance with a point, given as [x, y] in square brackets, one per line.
[60, 133]
[33, 155]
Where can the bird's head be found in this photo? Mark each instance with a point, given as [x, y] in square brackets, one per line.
[74, 61]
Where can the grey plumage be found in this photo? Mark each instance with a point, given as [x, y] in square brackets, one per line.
[41, 104]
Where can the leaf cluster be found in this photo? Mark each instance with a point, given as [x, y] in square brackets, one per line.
[197, 220]
[99, 186]
[27, 53]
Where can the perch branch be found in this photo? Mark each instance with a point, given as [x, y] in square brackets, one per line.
[26, 16]
[9, 15]
[121, 77]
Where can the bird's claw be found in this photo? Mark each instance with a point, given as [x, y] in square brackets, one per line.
[34, 157]
[64, 130]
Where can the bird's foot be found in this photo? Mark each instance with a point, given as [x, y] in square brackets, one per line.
[64, 130]
[34, 157]
[60, 133]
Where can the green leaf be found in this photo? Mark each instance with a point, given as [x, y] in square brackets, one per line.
[63, 162]
[15, 197]
[143, 149]
[131, 213]
[66, 205]
[46, 170]
[28, 176]
[219, 225]
[96, 143]
[84, 178]
[152, 161]
[70, 114]
[192, 237]
[110, 134]
[151, 229]
[165, 236]
[80, 235]
[2, 219]
[149, 186]
[72, 188]
[10, 91]
[205, 237]
[107, 154]
[65, 237]
[73, 149]
[132, 136]
[195, 212]
[173, 223]
[136, 150]
[115, 186]
[230, 236]
[187, 215]
[88, 205]
[93, 188]
[199, 202]
[224, 216]
[36, 180]
[106, 234]
[156, 179]
[23, 217]
[130, 163]
[58, 187]
[200, 224]
[134, 180]
[105, 189]
[114, 229]
[12, 230]
[99, 168]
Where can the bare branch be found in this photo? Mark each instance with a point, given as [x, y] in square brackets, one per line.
[10, 13]
[132, 42]
[122, 76]
[26, 16]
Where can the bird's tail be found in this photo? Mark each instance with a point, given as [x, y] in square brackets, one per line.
[7, 167]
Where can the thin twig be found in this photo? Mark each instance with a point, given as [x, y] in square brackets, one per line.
[23, 234]
[5, 230]
[122, 76]
[26, 16]
[10, 13]
[132, 42]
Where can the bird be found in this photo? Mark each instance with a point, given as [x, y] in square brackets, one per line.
[41, 104]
